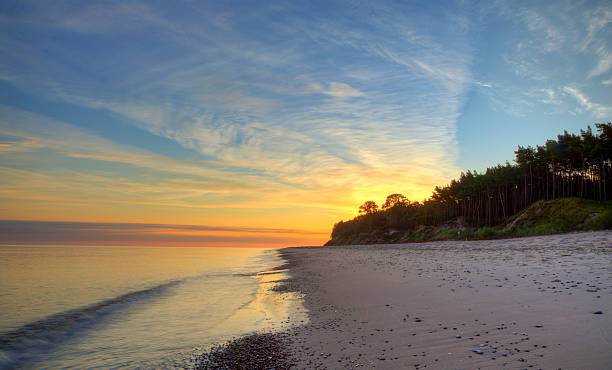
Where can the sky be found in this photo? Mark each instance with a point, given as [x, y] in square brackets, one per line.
[251, 123]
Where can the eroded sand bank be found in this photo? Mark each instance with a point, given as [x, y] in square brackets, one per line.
[516, 303]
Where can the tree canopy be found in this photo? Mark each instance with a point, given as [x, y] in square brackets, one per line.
[573, 165]
[394, 200]
[368, 207]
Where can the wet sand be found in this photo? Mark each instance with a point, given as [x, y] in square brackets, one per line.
[515, 303]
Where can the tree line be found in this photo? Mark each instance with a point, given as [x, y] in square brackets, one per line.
[573, 165]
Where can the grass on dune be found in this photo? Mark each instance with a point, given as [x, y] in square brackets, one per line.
[542, 217]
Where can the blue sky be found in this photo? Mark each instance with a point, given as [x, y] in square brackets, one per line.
[251, 113]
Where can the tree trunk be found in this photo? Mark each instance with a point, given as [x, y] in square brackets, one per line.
[501, 200]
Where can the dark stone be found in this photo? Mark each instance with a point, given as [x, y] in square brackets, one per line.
[258, 351]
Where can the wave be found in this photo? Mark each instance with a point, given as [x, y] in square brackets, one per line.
[39, 336]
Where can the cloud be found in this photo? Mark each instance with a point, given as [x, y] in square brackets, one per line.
[604, 64]
[598, 110]
[548, 36]
[565, 44]
[110, 176]
[290, 111]
[454, 77]
[482, 84]
[549, 31]
[240, 137]
[27, 132]
[598, 39]
[342, 90]
[550, 96]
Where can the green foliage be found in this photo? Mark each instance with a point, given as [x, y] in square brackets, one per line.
[394, 200]
[578, 166]
[368, 207]
[418, 237]
[600, 221]
[447, 234]
[543, 217]
[486, 233]
[561, 215]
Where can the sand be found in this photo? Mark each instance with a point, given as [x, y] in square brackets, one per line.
[515, 303]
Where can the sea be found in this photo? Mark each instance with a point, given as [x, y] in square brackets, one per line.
[67, 307]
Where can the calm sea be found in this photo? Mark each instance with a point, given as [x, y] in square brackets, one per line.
[150, 307]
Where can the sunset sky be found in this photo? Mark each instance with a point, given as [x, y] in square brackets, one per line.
[262, 123]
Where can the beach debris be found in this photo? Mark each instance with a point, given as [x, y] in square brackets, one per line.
[592, 290]
[598, 312]
[478, 351]
[418, 319]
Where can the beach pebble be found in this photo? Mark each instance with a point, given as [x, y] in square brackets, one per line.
[478, 351]
[598, 312]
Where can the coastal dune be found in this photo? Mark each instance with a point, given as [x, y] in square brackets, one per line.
[533, 302]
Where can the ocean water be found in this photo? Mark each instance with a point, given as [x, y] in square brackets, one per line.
[135, 307]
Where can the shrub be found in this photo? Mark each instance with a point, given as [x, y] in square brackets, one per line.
[486, 232]
[447, 234]
[601, 221]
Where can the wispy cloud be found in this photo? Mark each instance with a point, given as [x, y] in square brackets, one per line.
[342, 90]
[482, 84]
[549, 36]
[604, 63]
[598, 110]
[549, 96]
[553, 46]
[288, 110]
[598, 39]
[232, 119]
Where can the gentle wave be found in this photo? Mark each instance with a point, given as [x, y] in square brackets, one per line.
[42, 335]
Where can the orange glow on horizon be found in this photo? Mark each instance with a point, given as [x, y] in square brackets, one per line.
[314, 242]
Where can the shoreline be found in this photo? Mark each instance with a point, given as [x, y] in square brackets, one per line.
[526, 302]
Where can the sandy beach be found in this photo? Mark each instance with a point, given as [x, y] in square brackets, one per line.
[535, 302]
